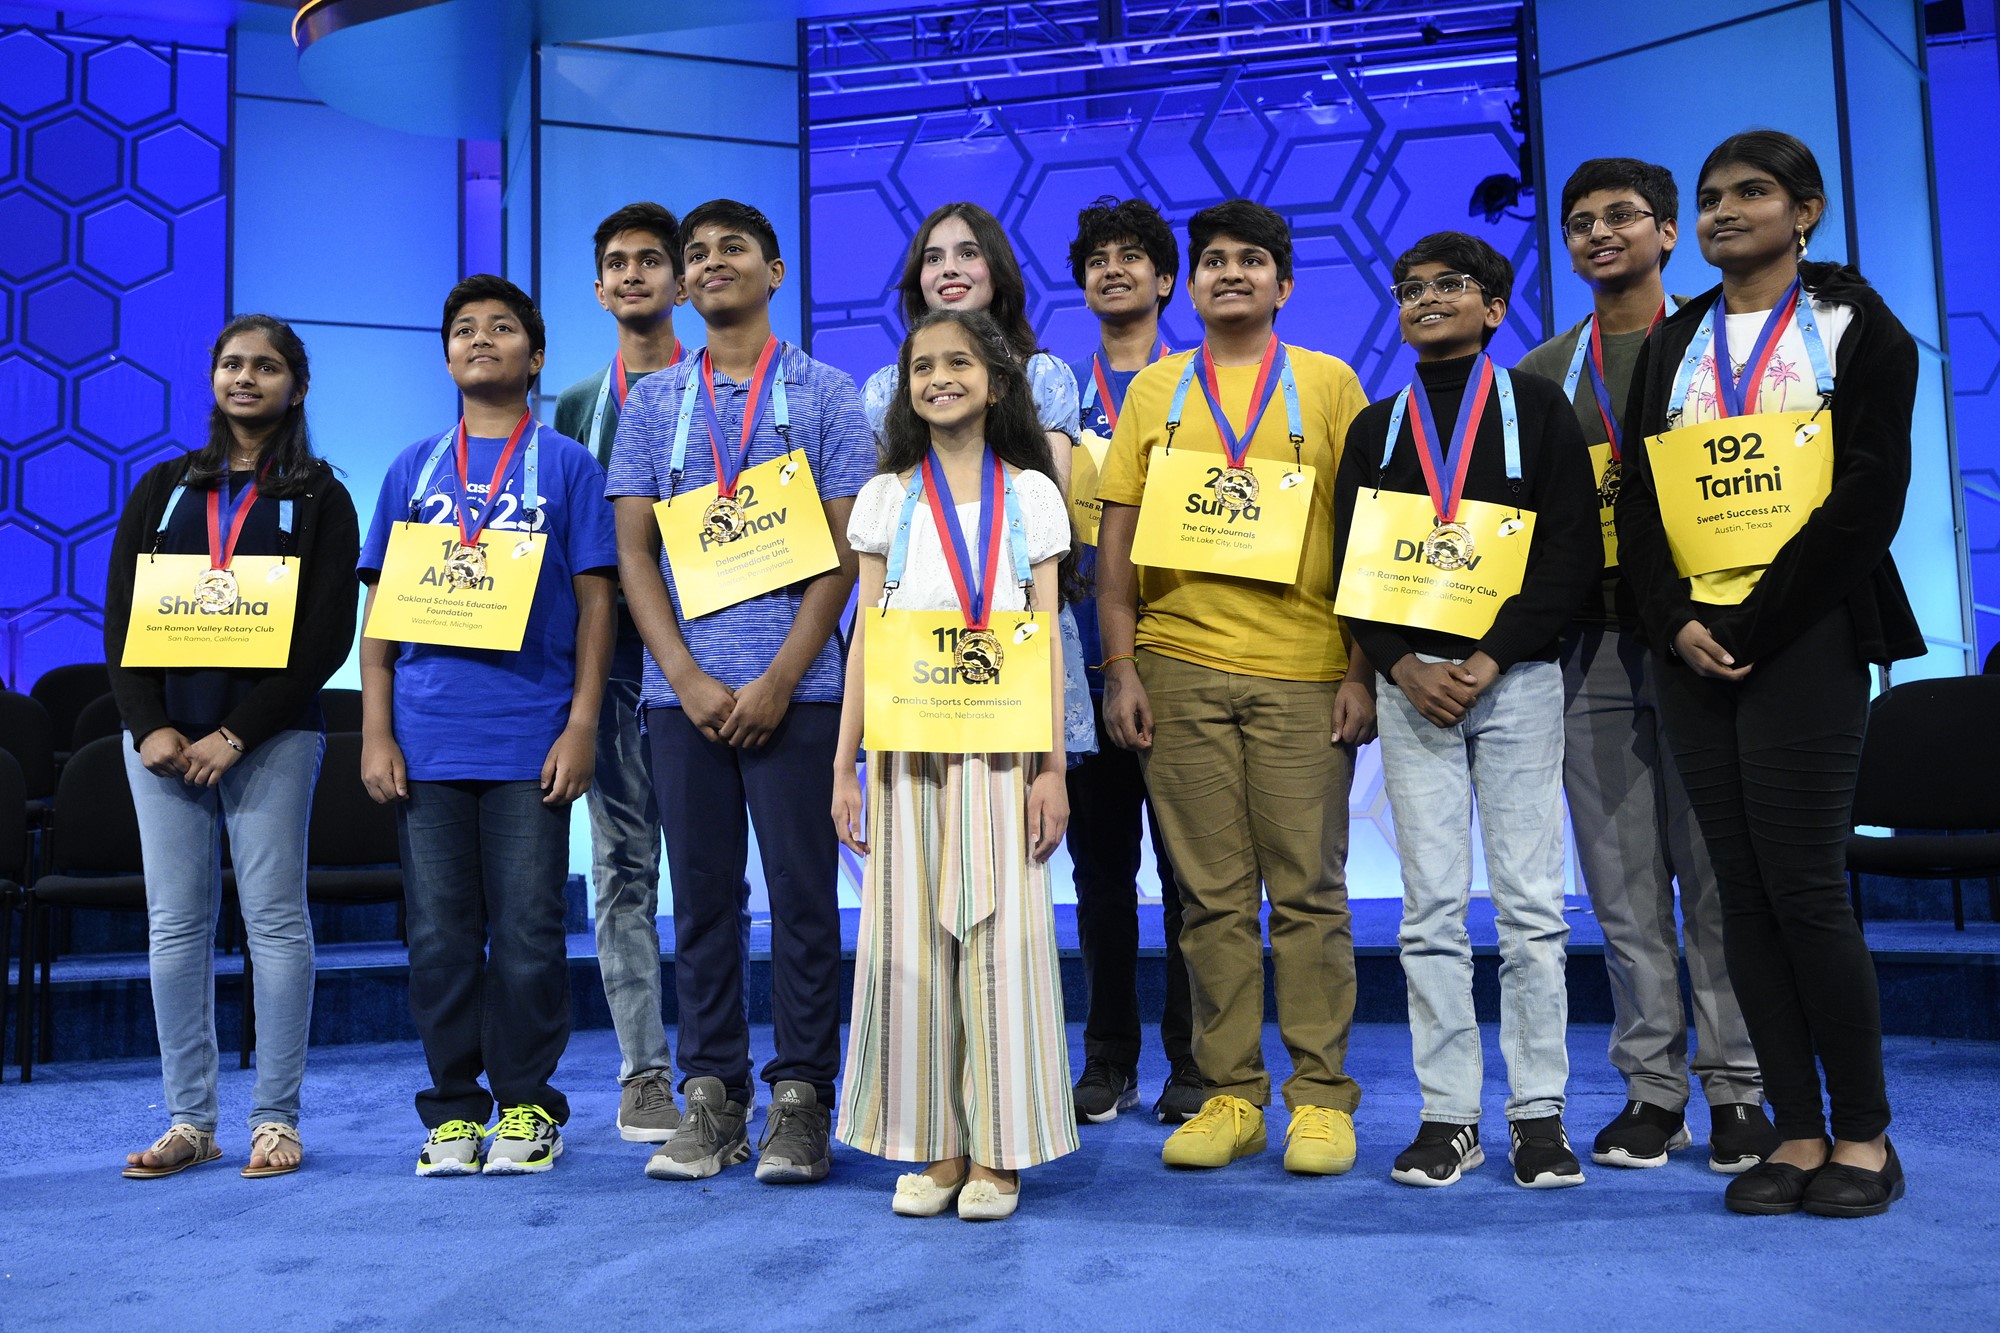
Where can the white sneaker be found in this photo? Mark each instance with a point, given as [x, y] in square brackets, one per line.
[525, 1141]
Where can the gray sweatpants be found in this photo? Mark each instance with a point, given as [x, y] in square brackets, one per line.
[1635, 835]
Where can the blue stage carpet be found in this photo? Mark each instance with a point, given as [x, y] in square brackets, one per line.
[1106, 1238]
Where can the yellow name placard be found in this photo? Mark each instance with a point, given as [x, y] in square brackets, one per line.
[169, 630]
[1600, 461]
[415, 604]
[1183, 525]
[1733, 491]
[1086, 465]
[918, 698]
[1387, 577]
[784, 537]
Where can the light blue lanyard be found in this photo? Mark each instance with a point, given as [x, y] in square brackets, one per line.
[1583, 350]
[597, 413]
[174, 502]
[1704, 339]
[531, 495]
[1510, 427]
[1017, 539]
[781, 416]
[1286, 384]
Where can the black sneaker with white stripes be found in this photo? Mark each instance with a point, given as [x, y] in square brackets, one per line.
[1642, 1136]
[1439, 1155]
[1542, 1157]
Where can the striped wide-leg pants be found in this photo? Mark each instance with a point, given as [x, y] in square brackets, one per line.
[956, 1046]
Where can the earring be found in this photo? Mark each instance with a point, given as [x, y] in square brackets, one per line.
[1802, 242]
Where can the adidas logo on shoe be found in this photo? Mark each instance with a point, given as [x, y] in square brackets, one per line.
[790, 1095]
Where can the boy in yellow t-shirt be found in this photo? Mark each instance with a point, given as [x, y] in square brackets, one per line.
[1236, 692]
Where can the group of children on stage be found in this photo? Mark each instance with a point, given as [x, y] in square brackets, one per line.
[1187, 582]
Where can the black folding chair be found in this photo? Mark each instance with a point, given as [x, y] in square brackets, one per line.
[1908, 781]
[13, 875]
[99, 718]
[95, 845]
[65, 691]
[341, 709]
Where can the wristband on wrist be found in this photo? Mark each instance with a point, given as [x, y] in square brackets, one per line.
[230, 740]
[1118, 657]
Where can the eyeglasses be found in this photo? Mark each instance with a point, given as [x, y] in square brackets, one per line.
[1448, 286]
[1581, 225]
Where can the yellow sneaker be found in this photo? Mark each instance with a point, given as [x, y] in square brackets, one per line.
[1227, 1128]
[1319, 1141]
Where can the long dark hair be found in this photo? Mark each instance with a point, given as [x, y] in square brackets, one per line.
[286, 463]
[1013, 431]
[1009, 308]
[1784, 157]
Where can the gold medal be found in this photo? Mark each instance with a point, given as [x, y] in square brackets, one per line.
[465, 567]
[722, 521]
[1607, 485]
[1448, 547]
[215, 592]
[978, 656]
[1236, 488]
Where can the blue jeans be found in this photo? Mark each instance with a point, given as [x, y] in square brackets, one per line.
[625, 875]
[1509, 752]
[484, 865]
[265, 799]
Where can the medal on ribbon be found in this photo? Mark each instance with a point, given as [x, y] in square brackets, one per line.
[1449, 545]
[215, 589]
[465, 564]
[1236, 488]
[976, 651]
[722, 522]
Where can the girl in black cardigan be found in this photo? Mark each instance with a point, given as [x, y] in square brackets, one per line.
[216, 743]
[1764, 678]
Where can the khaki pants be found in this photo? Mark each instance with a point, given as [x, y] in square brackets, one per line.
[1249, 791]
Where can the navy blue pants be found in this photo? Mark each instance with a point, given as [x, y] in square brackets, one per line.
[709, 794]
[484, 867]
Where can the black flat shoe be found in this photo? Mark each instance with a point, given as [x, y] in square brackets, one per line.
[1841, 1190]
[1769, 1189]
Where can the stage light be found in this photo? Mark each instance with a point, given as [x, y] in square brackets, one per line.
[1494, 196]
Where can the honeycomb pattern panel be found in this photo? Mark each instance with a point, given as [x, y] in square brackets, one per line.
[111, 169]
[1359, 179]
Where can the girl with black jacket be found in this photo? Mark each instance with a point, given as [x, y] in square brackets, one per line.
[1764, 677]
[213, 743]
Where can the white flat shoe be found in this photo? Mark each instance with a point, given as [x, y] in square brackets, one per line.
[983, 1201]
[917, 1195]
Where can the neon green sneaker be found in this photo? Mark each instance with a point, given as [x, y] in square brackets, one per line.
[525, 1141]
[452, 1149]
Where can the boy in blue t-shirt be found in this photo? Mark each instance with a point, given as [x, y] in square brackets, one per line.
[1125, 261]
[485, 750]
[742, 704]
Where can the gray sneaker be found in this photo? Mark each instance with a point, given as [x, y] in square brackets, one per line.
[710, 1136]
[794, 1147]
[646, 1110]
[527, 1140]
[452, 1149]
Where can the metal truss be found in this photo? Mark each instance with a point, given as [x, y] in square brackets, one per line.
[931, 60]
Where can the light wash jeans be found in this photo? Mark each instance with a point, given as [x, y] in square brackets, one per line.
[1509, 750]
[265, 799]
[625, 877]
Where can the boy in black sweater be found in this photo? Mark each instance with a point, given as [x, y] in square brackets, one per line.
[1466, 535]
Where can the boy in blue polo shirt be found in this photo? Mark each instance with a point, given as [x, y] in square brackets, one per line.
[483, 751]
[742, 701]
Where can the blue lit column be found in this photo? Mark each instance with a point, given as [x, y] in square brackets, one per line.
[1669, 82]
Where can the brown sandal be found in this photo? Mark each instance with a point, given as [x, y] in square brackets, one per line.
[178, 1149]
[266, 1138]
